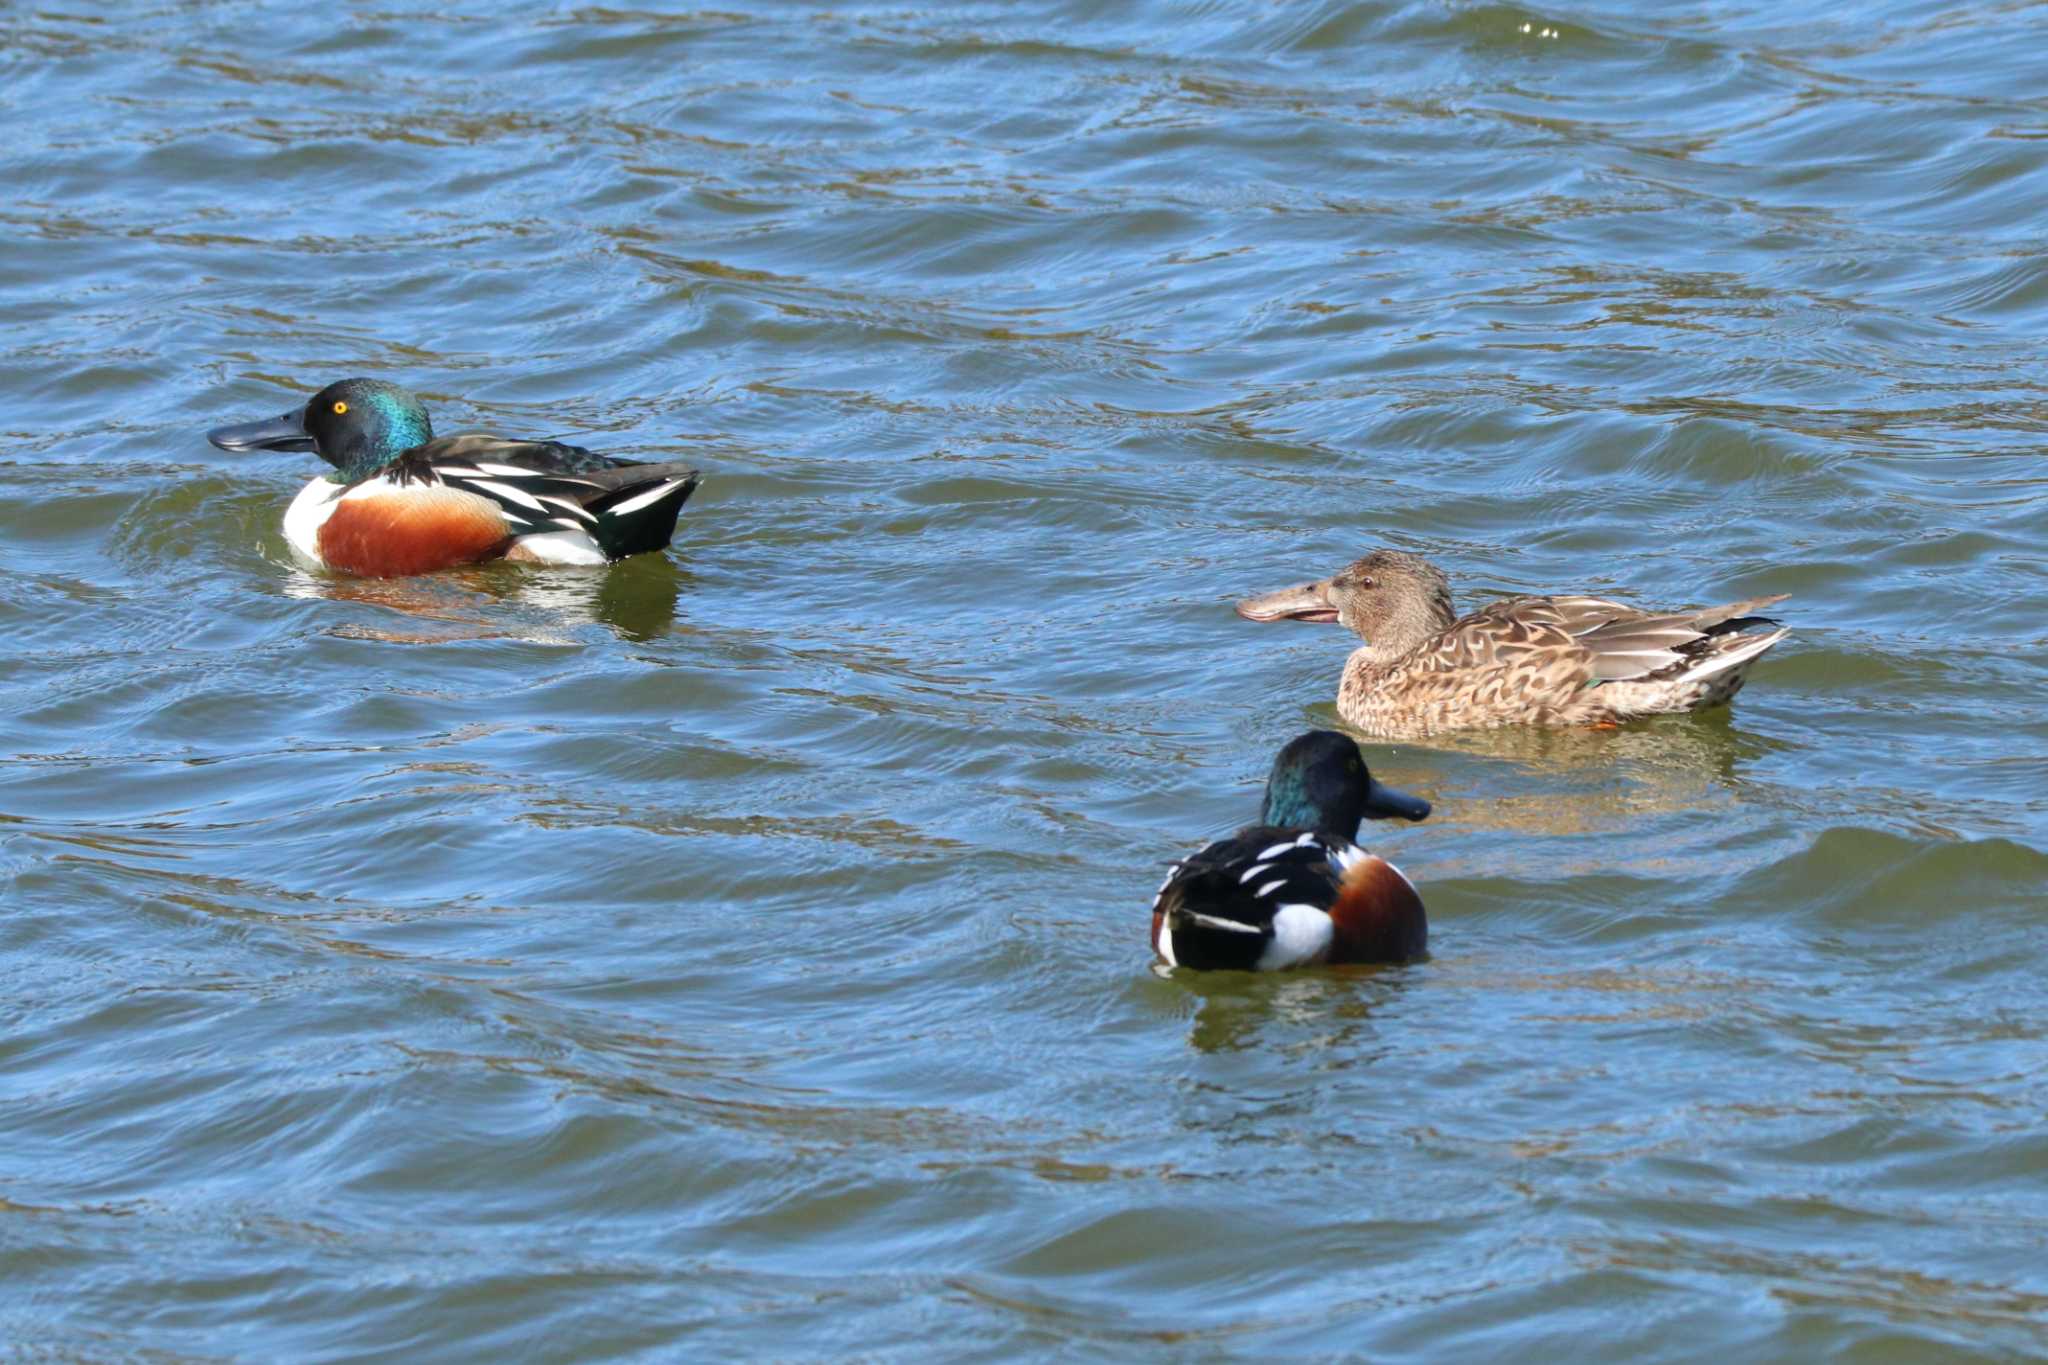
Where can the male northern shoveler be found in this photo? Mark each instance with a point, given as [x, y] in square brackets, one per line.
[400, 502]
[1295, 888]
[1518, 661]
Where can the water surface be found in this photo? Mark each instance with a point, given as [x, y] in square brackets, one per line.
[742, 951]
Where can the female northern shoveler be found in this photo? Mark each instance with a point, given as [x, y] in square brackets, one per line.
[1295, 889]
[1518, 661]
[400, 502]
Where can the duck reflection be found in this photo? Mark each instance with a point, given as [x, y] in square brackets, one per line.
[1324, 1009]
[635, 599]
[1709, 745]
[1576, 781]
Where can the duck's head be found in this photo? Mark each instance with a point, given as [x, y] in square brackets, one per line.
[1390, 598]
[1320, 782]
[356, 425]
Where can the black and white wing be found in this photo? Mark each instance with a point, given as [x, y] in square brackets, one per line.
[550, 488]
[1255, 901]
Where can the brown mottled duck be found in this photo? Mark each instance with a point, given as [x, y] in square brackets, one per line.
[1564, 660]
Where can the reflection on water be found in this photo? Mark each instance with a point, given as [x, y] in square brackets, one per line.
[636, 600]
[1327, 1011]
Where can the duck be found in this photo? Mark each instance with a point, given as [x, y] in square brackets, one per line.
[400, 501]
[1295, 889]
[1548, 661]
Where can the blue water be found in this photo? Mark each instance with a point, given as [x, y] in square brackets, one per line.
[743, 951]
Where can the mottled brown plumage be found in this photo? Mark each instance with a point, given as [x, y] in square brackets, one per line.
[1519, 661]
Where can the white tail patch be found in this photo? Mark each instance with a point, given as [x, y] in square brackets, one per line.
[557, 547]
[1301, 935]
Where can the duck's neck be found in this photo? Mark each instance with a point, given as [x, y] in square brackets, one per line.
[1368, 667]
[1382, 651]
[357, 470]
[1363, 673]
[1290, 806]
[1416, 622]
[1360, 691]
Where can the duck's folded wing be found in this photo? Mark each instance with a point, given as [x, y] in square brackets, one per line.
[1256, 900]
[1644, 645]
[1591, 640]
[1513, 631]
[624, 506]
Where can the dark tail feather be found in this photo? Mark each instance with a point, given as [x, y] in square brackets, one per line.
[642, 515]
[1734, 617]
[1203, 938]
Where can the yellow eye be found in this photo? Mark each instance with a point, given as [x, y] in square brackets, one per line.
[340, 408]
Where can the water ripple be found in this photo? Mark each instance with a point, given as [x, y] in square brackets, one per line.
[747, 946]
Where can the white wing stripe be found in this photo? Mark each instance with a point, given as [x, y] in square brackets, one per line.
[507, 492]
[1216, 922]
[647, 499]
[569, 505]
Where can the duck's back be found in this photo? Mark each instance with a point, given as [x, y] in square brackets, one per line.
[552, 488]
[533, 456]
[1258, 900]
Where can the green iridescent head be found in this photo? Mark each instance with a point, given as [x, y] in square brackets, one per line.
[356, 425]
[1320, 782]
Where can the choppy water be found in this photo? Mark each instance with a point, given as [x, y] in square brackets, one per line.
[743, 952]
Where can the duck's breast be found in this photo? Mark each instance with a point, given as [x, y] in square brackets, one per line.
[382, 529]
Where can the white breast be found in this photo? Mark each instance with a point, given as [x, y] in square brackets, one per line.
[308, 513]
